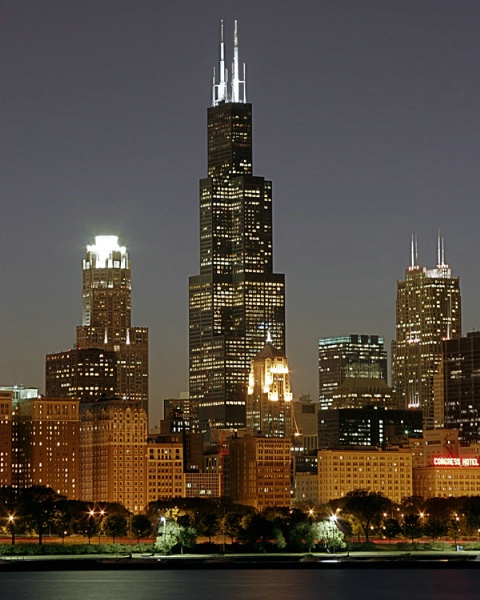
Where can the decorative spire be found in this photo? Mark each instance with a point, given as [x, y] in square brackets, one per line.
[440, 250]
[269, 337]
[220, 89]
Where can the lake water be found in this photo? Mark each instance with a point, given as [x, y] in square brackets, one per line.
[367, 584]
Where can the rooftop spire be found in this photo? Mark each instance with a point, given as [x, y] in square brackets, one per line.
[220, 92]
[414, 252]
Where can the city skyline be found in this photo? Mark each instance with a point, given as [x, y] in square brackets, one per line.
[365, 120]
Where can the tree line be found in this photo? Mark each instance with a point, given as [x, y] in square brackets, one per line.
[177, 524]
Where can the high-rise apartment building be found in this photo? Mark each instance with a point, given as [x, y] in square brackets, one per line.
[108, 348]
[269, 397]
[236, 298]
[428, 311]
[348, 357]
[457, 387]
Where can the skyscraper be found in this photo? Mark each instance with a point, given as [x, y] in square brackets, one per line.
[428, 311]
[348, 357]
[457, 389]
[106, 326]
[237, 297]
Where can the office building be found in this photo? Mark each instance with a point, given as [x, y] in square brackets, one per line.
[82, 373]
[348, 357]
[236, 297]
[269, 397]
[6, 432]
[305, 424]
[107, 346]
[165, 478]
[368, 426]
[386, 471]
[428, 310]
[457, 387]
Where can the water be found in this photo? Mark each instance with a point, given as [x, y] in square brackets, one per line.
[367, 584]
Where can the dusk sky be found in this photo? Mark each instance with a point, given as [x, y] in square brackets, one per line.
[366, 119]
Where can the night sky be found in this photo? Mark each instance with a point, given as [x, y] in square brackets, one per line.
[366, 119]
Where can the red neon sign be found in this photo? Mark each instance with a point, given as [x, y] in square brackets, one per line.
[449, 461]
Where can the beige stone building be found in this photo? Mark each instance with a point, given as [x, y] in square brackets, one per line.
[6, 437]
[386, 471]
[165, 477]
[113, 453]
[448, 477]
[260, 471]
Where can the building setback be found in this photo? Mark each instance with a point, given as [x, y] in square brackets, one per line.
[236, 298]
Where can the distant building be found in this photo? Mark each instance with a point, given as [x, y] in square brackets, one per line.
[269, 397]
[203, 485]
[369, 426]
[347, 357]
[260, 471]
[113, 447]
[428, 310]
[457, 387]
[448, 477]
[305, 424]
[386, 471]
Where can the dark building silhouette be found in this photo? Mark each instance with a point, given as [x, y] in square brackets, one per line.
[236, 298]
[457, 387]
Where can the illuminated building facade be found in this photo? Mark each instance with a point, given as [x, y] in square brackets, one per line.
[83, 373]
[260, 471]
[428, 310]
[6, 432]
[448, 477]
[46, 444]
[111, 356]
[269, 397]
[457, 387]
[305, 424]
[236, 298]
[164, 470]
[386, 471]
[113, 442]
[347, 357]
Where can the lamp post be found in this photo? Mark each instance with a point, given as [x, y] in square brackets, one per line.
[11, 525]
[333, 521]
[164, 521]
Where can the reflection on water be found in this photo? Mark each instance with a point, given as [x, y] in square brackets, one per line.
[368, 584]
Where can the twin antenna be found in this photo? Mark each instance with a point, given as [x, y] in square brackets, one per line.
[237, 91]
[440, 252]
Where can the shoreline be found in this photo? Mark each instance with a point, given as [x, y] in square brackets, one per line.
[239, 562]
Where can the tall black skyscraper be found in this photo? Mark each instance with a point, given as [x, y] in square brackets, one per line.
[236, 299]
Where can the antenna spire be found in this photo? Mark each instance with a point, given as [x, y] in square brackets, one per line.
[414, 252]
[441, 250]
[220, 92]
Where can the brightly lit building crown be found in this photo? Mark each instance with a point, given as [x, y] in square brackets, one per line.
[221, 91]
[107, 253]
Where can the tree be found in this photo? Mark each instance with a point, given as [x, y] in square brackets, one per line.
[39, 507]
[365, 506]
[435, 528]
[174, 534]
[391, 529]
[88, 526]
[412, 526]
[141, 526]
[114, 526]
[328, 534]
[9, 508]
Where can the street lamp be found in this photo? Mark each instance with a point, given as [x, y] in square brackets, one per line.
[11, 525]
[164, 521]
[333, 521]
